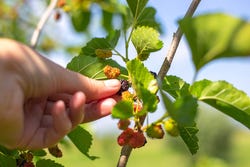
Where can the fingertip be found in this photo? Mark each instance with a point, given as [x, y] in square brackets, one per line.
[77, 103]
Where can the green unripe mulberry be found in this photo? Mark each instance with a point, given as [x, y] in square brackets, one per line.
[171, 127]
[155, 131]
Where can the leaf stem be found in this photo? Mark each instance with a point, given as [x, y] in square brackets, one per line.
[41, 23]
[126, 150]
[175, 42]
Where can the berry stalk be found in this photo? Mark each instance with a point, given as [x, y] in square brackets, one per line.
[126, 150]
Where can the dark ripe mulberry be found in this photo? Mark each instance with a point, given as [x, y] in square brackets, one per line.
[124, 86]
[154, 74]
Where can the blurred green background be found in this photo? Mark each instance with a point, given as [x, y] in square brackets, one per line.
[223, 142]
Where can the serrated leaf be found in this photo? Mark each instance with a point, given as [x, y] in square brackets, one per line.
[224, 97]
[82, 139]
[175, 86]
[214, 36]
[47, 162]
[137, 6]
[7, 161]
[146, 40]
[188, 135]
[183, 110]
[93, 44]
[123, 110]
[92, 66]
[139, 74]
[108, 43]
[80, 19]
[147, 18]
[142, 81]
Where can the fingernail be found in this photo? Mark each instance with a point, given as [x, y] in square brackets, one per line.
[112, 83]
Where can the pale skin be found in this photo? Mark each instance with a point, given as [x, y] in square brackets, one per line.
[41, 102]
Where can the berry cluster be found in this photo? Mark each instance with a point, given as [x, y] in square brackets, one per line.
[25, 160]
[134, 139]
[111, 72]
[103, 53]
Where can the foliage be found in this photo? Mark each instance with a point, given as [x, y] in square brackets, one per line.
[208, 41]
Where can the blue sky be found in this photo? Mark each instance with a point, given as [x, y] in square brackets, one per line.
[234, 70]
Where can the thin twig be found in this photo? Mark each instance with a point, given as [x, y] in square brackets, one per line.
[126, 150]
[175, 42]
[41, 23]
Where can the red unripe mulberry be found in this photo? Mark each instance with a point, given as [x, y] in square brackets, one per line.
[123, 124]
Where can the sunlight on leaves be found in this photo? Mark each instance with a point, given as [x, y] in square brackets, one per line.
[224, 97]
[123, 110]
[213, 36]
[146, 40]
[188, 135]
[82, 139]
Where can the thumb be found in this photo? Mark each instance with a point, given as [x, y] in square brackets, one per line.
[66, 81]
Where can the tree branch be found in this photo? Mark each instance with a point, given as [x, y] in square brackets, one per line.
[126, 150]
[41, 23]
[175, 42]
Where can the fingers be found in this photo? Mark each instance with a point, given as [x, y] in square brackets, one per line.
[99, 109]
[59, 123]
[77, 104]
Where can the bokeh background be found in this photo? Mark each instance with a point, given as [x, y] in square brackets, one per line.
[223, 142]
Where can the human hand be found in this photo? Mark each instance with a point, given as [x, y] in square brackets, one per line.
[41, 102]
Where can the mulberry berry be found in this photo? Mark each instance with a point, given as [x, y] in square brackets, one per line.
[55, 151]
[123, 124]
[131, 138]
[111, 72]
[155, 131]
[171, 127]
[124, 86]
[103, 53]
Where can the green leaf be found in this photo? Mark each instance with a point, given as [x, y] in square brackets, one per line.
[139, 74]
[82, 139]
[80, 19]
[224, 97]
[213, 36]
[39, 153]
[108, 43]
[137, 6]
[93, 44]
[6, 151]
[147, 18]
[146, 40]
[144, 84]
[175, 86]
[92, 66]
[183, 110]
[123, 110]
[7, 161]
[107, 18]
[47, 162]
[113, 38]
[188, 135]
